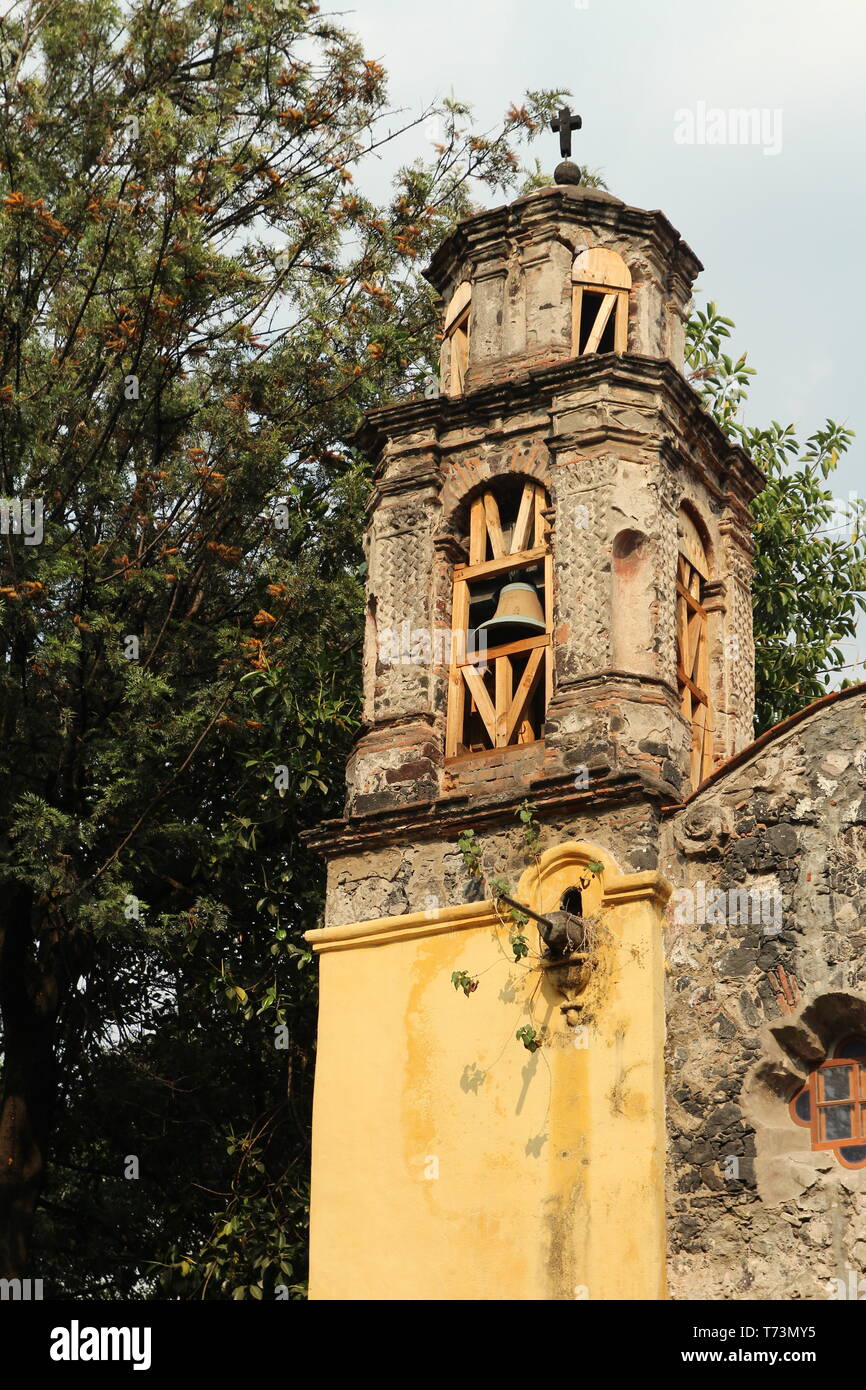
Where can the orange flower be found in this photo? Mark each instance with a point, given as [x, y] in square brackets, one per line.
[225, 552]
[263, 618]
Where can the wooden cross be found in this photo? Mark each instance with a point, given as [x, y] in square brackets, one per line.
[565, 123]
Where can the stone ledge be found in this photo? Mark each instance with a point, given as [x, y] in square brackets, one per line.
[448, 816]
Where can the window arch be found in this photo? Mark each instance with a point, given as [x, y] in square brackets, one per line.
[693, 659]
[457, 325]
[832, 1104]
[501, 674]
[599, 301]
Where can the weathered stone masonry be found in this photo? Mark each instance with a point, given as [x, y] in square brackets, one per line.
[755, 996]
[749, 1010]
[620, 442]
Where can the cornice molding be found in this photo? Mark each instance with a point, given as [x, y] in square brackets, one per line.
[539, 390]
[540, 887]
[486, 235]
[447, 816]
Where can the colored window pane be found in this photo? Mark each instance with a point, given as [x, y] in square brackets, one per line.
[837, 1121]
[836, 1083]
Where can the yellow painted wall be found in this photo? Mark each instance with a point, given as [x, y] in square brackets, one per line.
[451, 1163]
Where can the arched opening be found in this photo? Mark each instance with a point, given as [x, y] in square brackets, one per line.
[501, 676]
[599, 301]
[572, 901]
[457, 326]
[693, 658]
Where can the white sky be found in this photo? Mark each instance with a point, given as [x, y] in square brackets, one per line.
[780, 235]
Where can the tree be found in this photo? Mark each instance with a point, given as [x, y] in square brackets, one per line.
[197, 306]
[810, 566]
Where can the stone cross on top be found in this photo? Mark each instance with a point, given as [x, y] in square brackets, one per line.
[565, 123]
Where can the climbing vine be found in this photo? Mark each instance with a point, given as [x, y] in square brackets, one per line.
[509, 914]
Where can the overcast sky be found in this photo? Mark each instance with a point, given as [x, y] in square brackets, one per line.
[780, 233]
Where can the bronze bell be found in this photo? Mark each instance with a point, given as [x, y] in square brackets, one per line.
[518, 614]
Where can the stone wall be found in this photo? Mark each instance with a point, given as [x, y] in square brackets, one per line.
[426, 872]
[758, 990]
[619, 443]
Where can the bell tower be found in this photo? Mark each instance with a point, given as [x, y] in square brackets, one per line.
[558, 618]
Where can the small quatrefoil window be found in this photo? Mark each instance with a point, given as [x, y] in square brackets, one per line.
[832, 1104]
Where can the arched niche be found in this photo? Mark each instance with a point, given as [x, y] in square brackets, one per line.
[633, 585]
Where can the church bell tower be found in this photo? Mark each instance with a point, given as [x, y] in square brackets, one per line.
[558, 644]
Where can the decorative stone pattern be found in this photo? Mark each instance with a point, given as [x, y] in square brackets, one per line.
[757, 993]
[666, 487]
[582, 564]
[740, 646]
[400, 553]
